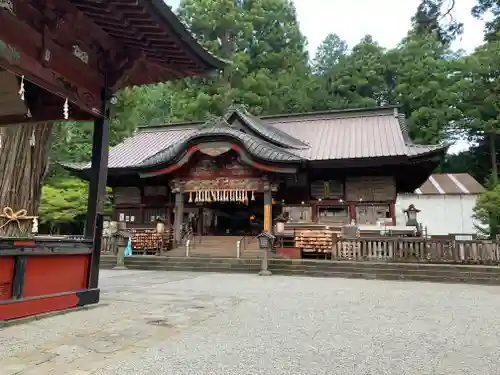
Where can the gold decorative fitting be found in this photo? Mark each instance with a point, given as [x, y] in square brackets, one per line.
[7, 5]
[17, 217]
[81, 55]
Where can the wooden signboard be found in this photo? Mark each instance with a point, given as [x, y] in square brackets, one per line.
[371, 188]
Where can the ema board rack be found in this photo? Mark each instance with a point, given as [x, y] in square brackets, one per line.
[319, 240]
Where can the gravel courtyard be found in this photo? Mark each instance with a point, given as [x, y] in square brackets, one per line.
[199, 324]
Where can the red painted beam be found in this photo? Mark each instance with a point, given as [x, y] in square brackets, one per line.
[6, 276]
[22, 52]
[22, 308]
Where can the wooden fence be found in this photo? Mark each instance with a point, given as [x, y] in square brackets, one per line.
[417, 250]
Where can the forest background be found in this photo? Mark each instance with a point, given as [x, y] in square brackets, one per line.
[445, 94]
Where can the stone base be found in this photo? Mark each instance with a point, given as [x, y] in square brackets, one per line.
[265, 273]
[120, 268]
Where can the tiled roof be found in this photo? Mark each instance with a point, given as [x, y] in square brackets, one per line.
[350, 134]
[143, 145]
[335, 135]
[450, 183]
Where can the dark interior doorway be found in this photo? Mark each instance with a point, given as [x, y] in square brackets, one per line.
[233, 218]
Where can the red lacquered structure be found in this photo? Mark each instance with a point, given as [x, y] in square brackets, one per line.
[69, 56]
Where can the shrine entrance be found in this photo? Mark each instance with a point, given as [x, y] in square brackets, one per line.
[224, 212]
[219, 196]
[232, 218]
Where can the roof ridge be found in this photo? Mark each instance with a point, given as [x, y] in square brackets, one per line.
[326, 117]
[265, 130]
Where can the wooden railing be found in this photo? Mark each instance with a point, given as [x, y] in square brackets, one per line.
[417, 250]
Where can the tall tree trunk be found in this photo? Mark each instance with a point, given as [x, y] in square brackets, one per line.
[493, 155]
[23, 163]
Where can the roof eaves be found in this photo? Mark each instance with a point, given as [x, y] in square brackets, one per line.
[212, 62]
[414, 150]
[75, 166]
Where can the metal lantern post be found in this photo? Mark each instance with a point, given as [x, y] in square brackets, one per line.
[411, 215]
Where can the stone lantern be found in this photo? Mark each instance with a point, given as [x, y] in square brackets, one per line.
[411, 216]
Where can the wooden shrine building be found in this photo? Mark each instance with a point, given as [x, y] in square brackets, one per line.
[238, 172]
[62, 60]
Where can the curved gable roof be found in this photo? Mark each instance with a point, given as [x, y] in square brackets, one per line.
[254, 146]
[268, 132]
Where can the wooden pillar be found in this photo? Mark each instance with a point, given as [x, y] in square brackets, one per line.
[393, 212]
[268, 211]
[178, 215]
[99, 168]
[199, 223]
[97, 188]
[352, 213]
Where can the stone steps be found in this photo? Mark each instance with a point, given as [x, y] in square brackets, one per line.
[361, 270]
[218, 246]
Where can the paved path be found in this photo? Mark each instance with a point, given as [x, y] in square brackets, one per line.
[153, 323]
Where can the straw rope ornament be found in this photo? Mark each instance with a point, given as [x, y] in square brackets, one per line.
[18, 216]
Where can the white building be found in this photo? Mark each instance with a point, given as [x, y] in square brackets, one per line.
[446, 202]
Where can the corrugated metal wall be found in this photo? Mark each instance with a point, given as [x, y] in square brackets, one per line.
[442, 214]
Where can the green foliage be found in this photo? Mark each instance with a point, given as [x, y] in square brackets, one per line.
[492, 29]
[269, 69]
[329, 53]
[65, 200]
[434, 17]
[443, 93]
[487, 211]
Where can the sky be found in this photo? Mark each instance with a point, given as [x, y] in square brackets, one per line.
[386, 20]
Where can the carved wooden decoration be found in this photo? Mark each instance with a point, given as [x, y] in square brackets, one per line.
[224, 166]
[81, 55]
[224, 172]
[8, 6]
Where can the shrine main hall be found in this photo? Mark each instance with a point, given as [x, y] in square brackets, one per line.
[236, 174]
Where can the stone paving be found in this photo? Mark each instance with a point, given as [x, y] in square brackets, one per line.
[153, 323]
